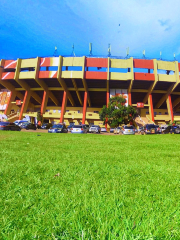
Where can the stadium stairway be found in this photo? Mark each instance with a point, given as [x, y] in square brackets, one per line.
[13, 117]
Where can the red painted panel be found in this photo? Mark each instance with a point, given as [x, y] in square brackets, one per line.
[96, 75]
[144, 76]
[140, 105]
[45, 62]
[43, 74]
[8, 75]
[179, 66]
[96, 62]
[142, 63]
[10, 64]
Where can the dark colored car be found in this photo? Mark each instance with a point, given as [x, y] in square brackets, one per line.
[58, 128]
[46, 125]
[9, 126]
[86, 126]
[171, 130]
[150, 129]
[28, 126]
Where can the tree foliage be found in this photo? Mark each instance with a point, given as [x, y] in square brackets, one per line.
[117, 113]
[39, 117]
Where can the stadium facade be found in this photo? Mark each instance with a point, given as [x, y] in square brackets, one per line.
[74, 89]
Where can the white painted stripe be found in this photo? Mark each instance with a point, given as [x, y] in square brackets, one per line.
[53, 73]
[43, 61]
[6, 75]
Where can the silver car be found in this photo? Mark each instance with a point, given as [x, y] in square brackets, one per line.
[95, 129]
[128, 130]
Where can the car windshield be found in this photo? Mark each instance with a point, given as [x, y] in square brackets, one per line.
[25, 123]
[77, 126]
[57, 126]
[128, 127]
[151, 126]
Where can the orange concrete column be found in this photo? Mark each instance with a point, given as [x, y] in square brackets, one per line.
[44, 102]
[129, 99]
[170, 108]
[63, 108]
[25, 103]
[151, 109]
[107, 101]
[84, 108]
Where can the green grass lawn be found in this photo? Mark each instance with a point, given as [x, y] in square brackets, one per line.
[109, 187]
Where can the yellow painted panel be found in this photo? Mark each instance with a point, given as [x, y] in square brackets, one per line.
[176, 118]
[166, 78]
[120, 76]
[166, 65]
[162, 117]
[120, 63]
[28, 63]
[73, 61]
[32, 114]
[26, 75]
[73, 115]
[71, 74]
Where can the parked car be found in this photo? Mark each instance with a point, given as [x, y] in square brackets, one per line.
[58, 128]
[86, 126]
[171, 130]
[69, 127]
[149, 129]
[116, 130]
[28, 126]
[162, 128]
[9, 126]
[95, 129]
[128, 130]
[78, 129]
[20, 122]
[46, 125]
[111, 130]
[140, 129]
[103, 129]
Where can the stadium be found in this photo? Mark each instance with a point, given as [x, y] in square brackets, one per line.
[74, 89]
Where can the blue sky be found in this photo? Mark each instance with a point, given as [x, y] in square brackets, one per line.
[33, 28]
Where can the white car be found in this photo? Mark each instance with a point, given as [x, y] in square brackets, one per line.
[95, 129]
[128, 130]
[103, 129]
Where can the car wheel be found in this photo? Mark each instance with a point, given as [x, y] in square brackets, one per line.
[27, 128]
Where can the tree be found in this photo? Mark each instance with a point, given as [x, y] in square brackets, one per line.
[117, 113]
[39, 117]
